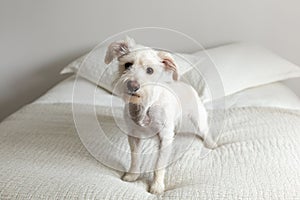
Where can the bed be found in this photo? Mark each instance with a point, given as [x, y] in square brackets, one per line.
[258, 153]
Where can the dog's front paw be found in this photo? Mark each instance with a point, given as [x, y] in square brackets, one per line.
[157, 188]
[130, 177]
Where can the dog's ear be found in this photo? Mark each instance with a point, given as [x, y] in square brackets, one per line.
[119, 48]
[169, 63]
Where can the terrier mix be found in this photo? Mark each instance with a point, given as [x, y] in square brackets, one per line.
[155, 103]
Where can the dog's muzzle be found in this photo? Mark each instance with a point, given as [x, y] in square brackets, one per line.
[133, 86]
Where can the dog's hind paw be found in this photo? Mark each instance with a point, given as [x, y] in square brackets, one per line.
[210, 144]
[130, 177]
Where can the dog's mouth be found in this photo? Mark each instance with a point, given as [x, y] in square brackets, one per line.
[133, 94]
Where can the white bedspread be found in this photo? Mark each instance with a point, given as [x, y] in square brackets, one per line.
[258, 157]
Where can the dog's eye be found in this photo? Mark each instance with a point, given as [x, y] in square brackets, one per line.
[149, 70]
[128, 65]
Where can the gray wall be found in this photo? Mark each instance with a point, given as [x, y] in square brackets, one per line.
[39, 37]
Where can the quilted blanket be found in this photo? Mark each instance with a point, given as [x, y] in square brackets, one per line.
[43, 157]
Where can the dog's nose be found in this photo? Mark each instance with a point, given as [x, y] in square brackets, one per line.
[133, 86]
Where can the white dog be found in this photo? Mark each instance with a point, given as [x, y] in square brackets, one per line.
[155, 103]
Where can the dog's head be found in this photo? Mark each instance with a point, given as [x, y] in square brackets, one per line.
[141, 69]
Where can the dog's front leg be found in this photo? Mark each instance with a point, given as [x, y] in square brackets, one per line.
[165, 151]
[134, 170]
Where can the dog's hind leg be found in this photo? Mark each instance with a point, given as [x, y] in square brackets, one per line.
[199, 120]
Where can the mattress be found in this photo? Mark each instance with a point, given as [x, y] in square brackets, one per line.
[43, 156]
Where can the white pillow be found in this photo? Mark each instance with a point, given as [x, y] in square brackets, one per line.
[86, 92]
[270, 95]
[92, 67]
[236, 67]
[221, 71]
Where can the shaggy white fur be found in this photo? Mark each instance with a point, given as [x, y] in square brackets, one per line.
[156, 103]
